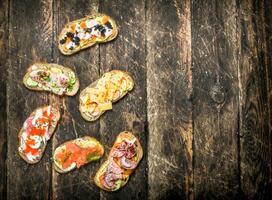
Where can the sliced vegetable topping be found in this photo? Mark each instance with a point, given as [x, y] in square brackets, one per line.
[51, 78]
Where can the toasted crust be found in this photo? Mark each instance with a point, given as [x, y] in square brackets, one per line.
[66, 28]
[93, 85]
[91, 139]
[47, 66]
[51, 131]
[103, 167]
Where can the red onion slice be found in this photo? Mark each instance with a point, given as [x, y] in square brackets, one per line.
[130, 142]
[127, 164]
[117, 153]
[130, 152]
[113, 167]
[122, 146]
[110, 179]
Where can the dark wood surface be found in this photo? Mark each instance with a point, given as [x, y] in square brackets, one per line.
[201, 105]
[215, 99]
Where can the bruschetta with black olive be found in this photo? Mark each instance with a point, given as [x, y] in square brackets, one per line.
[123, 159]
[99, 96]
[36, 131]
[76, 153]
[83, 33]
[52, 78]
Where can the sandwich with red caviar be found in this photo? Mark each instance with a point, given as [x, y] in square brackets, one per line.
[35, 133]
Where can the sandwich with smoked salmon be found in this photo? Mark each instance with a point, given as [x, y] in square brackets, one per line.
[76, 153]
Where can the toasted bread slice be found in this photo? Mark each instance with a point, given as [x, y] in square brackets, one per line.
[113, 174]
[75, 153]
[33, 138]
[86, 32]
[51, 77]
[99, 96]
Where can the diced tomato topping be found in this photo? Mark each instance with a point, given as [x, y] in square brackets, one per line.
[73, 28]
[105, 19]
[83, 25]
[68, 40]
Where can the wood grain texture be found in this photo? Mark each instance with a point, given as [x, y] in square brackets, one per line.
[126, 52]
[254, 118]
[4, 7]
[169, 106]
[215, 99]
[201, 106]
[30, 41]
[268, 33]
[75, 184]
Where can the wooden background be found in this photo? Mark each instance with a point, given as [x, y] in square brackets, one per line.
[201, 106]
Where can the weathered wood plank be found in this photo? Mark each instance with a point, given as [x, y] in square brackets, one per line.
[4, 8]
[169, 86]
[30, 40]
[268, 38]
[215, 99]
[75, 184]
[127, 52]
[254, 118]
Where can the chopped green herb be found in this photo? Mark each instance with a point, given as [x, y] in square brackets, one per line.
[48, 79]
[55, 90]
[31, 83]
[72, 77]
[118, 184]
[70, 84]
[92, 157]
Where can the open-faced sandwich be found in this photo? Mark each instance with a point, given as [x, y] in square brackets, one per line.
[75, 153]
[51, 77]
[36, 131]
[123, 159]
[83, 33]
[99, 96]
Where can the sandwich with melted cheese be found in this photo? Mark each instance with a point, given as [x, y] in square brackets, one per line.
[99, 96]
